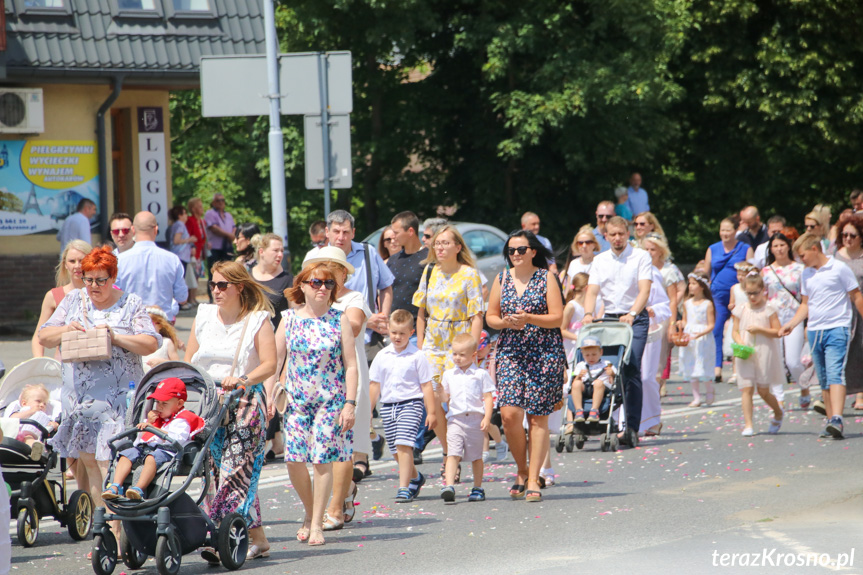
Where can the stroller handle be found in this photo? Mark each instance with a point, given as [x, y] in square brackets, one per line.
[44, 431]
[175, 445]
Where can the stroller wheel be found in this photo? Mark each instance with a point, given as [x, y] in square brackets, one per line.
[133, 558]
[561, 439]
[579, 442]
[28, 527]
[569, 441]
[104, 555]
[233, 541]
[168, 555]
[613, 443]
[79, 518]
[605, 443]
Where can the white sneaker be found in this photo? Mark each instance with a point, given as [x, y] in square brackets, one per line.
[502, 448]
[748, 432]
[486, 456]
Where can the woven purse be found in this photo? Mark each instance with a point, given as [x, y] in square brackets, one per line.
[92, 344]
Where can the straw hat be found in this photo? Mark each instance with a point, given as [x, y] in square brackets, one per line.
[328, 254]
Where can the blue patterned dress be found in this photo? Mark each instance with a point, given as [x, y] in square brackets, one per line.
[316, 389]
[530, 362]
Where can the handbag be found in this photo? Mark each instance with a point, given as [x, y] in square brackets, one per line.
[92, 344]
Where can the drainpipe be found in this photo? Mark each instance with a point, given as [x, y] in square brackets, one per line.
[101, 142]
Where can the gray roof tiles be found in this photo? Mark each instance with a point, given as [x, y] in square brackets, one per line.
[93, 39]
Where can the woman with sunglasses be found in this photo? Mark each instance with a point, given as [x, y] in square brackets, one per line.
[526, 305]
[850, 234]
[450, 302]
[96, 410]
[818, 222]
[646, 223]
[720, 259]
[388, 246]
[320, 377]
[237, 325]
[581, 253]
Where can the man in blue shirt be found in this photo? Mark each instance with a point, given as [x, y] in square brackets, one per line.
[604, 212]
[77, 226]
[153, 274]
[530, 223]
[637, 202]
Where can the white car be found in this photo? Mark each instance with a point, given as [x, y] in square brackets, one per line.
[486, 243]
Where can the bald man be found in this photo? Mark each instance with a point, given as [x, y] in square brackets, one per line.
[151, 273]
[752, 231]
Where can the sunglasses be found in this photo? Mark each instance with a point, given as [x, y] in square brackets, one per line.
[388, 240]
[221, 285]
[603, 217]
[121, 231]
[811, 226]
[427, 236]
[318, 284]
[850, 236]
[640, 224]
[584, 243]
[520, 249]
[97, 281]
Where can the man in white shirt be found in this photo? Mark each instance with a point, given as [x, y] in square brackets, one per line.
[153, 274]
[77, 226]
[828, 288]
[774, 226]
[622, 277]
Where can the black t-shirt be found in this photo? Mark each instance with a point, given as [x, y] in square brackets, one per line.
[756, 240]
[408, 271]
[280, 303]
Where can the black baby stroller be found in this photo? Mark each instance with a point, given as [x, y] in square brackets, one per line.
[38, 488]
[616, 339]
[168, 523]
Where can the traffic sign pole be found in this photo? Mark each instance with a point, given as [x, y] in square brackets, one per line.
[275, 139]
[325, 128]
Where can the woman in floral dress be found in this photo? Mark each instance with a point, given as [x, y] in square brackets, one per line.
[526, 304]
[782, 279]
[449, 299]
[320, 377]
[237, 325]
[97, 409]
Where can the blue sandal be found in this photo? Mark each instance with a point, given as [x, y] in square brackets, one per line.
[113, 492]
[404, 495]
[135, 493]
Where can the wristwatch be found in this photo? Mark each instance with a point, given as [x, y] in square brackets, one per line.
[244, 378]
[351, 402]
[633, 314]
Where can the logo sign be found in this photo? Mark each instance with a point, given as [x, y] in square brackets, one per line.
[152, 160]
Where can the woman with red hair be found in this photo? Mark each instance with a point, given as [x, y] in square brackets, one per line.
[97, 408]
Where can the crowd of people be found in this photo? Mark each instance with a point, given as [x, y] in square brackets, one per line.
[414, 330]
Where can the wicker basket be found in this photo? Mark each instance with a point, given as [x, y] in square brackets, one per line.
[680, 339]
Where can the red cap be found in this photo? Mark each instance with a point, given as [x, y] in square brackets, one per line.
[168, 388]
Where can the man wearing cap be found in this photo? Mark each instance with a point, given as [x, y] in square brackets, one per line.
[167, 415]
[622, 277]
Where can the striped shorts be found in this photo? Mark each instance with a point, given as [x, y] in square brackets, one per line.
[402, 422]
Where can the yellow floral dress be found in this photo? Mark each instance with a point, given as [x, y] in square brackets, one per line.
[450, 300]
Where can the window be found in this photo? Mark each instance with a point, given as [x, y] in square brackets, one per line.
[483, 244]
[191, 5]
[125, 5]
[44, 7]
[50, 4]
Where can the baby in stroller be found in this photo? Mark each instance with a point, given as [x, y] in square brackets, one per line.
[590, 371]
[33, 403]
[169, 415]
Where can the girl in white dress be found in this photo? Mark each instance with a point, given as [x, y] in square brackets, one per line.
[697, 358]
[756, 324]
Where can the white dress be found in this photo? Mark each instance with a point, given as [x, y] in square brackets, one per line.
[217, 343]
[363, 421]
[697, 359]
[571, 345]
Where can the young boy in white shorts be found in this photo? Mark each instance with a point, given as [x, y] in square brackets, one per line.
[467, 391]
[401, 375]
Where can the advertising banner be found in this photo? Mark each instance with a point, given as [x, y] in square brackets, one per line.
[42, 181]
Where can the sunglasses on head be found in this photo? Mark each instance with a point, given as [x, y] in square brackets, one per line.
[221, 285]
[520, 249]
[318, 283]
[121, 231]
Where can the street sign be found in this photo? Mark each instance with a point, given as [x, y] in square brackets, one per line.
[237, 85]
[341, 173]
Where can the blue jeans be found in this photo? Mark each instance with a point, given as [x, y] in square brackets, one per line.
[829, 353]
[632, 371]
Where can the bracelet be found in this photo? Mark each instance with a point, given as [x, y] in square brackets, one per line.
[351, 402]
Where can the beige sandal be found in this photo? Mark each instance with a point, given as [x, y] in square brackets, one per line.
[316, 541]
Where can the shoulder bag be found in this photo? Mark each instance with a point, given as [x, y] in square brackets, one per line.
[92, 344]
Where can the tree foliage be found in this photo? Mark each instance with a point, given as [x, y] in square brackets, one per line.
[498, 106]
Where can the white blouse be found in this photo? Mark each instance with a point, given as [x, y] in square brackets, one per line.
[217, 343]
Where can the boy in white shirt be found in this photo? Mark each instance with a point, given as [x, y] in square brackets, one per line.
[401, 375]
[167, 415]
[467, 390]
[594, 370]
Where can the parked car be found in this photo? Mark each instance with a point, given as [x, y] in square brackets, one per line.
[484, 241]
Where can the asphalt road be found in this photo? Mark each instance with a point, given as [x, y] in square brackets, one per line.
[695, 499]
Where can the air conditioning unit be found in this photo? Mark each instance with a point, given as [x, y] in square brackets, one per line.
[21, 111]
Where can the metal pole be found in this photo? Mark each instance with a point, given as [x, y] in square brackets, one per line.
[276, 142]
[325, 127]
